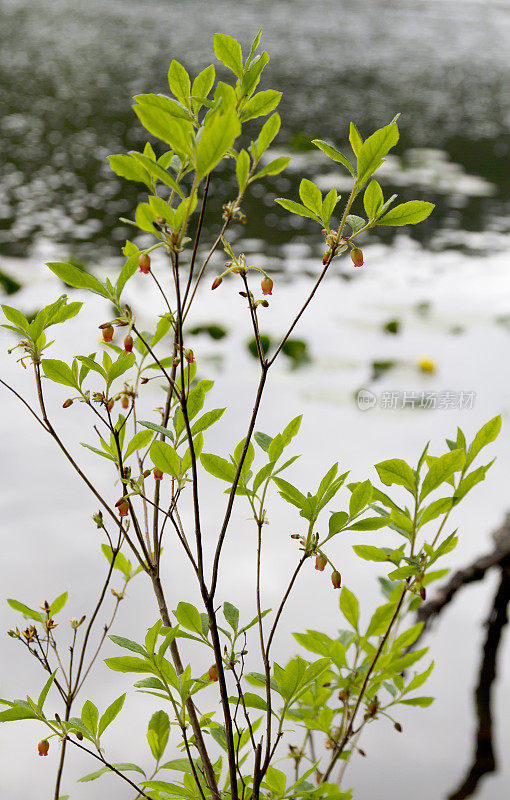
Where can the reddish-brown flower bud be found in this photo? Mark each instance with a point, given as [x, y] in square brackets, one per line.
[107, 329]
[43, 747]
[124, 401]
[144, 262]
[128, 344]
[216, 282]
[110, 404]
[326, 257]
[320, 563]
[264, 303]
[143, 381]
[267, 285]
[189, 355]
[79, 736]
[357, 257]
[336, 579]
[398, 727]
[67, 403]
[123, 506]
[342, 695]
[213, 673]
[423, 593]
[158, 475]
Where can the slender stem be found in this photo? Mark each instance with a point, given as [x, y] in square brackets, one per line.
[197, 239]
[232, 495]
[110, 766]
[202, 268]
[340, 746]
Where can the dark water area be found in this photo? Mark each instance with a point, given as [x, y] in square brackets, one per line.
[68, 71]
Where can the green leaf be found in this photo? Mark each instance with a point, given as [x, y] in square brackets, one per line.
[373, 199]
[58, 372]
[242, 168]
[128, 270]
[157, 733]
[218, 467]
[395, 470]
[296, 208]
[349, 607]
[263, 440]
[355, 139]
[122, 767]
[128, 644]
[139, 440]
[360, 498]
[291, 430]
[162, 123]
[25, 610]
[202, 85]
[188, 617]
[128, 664]
[381, 619]
[157, 428]
[407, 213]
[228, 51]
[435, 509]
[46, 688]
[77, 278]
[369, 524]
[335, 154]
[90, 717]
[424, 702]
[487, 434]
[17, 712]
[16, 317]
[231, 614]
[179, 82]
[273, 168]
[328, 206]
[355, 222]
[216, 140]
[372, 151]
[121, 562]
[276, 781]
[124, 362]
[165, 458]
[129, 168]
[290, 493]
[206, 420]
[441, 470]
[337, 521]
[370, 553]
[311, 196]
[260, 104]
[251, 700]
[110, 714]
[157, 172]
[58, 604]
[267, 134]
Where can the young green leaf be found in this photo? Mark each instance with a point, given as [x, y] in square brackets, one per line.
[372, 151]
[228, 51]
[77, 278]
[335, 154]
[407, 213]
[349, 607]
[157, 733]
[110, 714]
[260, 104]
[165, 458]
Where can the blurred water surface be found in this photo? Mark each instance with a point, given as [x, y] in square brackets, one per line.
[68, 71]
